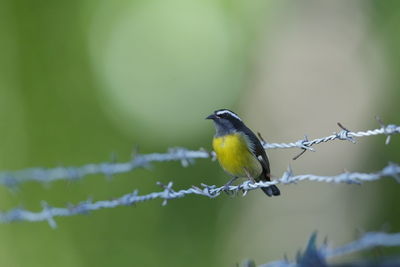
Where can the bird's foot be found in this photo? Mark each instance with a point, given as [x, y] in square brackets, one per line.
[226, 187]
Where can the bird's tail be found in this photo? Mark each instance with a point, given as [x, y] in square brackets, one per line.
[272, 190]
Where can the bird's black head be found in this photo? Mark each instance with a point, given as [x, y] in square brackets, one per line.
[226, 121]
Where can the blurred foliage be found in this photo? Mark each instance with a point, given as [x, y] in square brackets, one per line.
[385, 23]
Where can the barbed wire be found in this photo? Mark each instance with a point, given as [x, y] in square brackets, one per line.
[168, 193]
[12, 178]
[314, 256]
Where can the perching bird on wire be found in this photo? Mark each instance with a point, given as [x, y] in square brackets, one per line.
[239, 151]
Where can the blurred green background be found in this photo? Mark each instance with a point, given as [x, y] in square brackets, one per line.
[80, 80]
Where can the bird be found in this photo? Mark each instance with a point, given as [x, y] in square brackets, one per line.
[239, 151]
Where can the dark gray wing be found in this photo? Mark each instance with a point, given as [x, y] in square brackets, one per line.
[258, 151]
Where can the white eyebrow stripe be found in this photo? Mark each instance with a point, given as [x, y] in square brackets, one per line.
[228, 112]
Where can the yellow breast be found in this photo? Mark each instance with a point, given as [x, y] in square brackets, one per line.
[234, 156]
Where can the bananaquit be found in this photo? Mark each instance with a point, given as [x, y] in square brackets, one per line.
[239, 151]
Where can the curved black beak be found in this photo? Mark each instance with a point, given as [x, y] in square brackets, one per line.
[212, 117]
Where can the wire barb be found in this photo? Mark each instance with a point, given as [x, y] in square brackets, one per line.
[344, 134]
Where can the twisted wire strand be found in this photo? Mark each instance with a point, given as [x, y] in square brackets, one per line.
[344, 134]
[48, 213]
[367, 241]
[186, 157]
[320, 255]
[12, 179]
